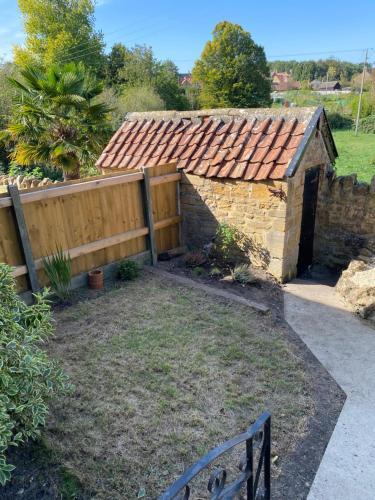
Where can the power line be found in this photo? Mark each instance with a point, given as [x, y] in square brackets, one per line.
[75, 50]
[330, 52]
[88, 52]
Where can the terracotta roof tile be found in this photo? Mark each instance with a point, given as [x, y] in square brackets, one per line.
[238, 171]
[240, 146]
[226, 169]
[264, 171]
[251, 171]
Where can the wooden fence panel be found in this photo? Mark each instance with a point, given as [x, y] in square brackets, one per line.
[165, 206]
[86, 213]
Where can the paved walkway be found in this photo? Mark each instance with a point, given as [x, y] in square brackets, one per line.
[346, 347]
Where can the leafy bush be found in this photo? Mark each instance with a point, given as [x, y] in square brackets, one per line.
[227, 240]
[367, 125]
[39, 172]
[195, 258]
[338, 121]
[198, 271]
[243, 274]
[141, 99]
[27, 376]
[128, 270]
[58, 268]
[215, 272]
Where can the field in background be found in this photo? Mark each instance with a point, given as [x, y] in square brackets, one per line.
[356, 154]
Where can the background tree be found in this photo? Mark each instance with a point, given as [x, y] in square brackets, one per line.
[59, 31]
[140, 69]
[140, 99]
[7, 70]
[232, 70]
[115, 62]
[56, 119]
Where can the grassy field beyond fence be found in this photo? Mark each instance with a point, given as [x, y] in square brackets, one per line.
[356, 154]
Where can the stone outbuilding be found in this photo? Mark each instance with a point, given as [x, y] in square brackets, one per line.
[258, 169]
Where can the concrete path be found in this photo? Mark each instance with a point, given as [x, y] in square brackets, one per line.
[346, 347]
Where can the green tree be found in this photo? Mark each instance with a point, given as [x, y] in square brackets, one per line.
[232, 70]
[167, 86]
[57, 120]
[141, 69]
[59, 31]
[7, 70]
[115, 62]
[140, 99]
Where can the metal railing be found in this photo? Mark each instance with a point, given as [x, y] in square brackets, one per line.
[257, 441]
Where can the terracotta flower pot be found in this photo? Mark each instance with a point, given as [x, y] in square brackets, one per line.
[96, 279]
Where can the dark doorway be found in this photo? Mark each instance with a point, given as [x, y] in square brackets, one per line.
[310, 197]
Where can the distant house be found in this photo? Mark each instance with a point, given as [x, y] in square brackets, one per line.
[326, 86]
[282, 81]
[185, 79]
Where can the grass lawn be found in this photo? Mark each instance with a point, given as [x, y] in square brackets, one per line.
[356, 154]
[162, 374]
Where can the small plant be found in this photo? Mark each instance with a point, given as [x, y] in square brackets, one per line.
[195, 259]
[243, 274]
[215, 272]
[58, 268]
[227, 238]
[28, 376]
[198, 271]
[128, 270]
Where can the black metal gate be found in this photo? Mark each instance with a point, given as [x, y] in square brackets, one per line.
[310, 198]
[257, 441]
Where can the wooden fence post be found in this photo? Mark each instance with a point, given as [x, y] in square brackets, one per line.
[24, 237]
[148, 208]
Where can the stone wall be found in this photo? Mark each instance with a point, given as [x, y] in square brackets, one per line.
[345, 221]
[24, 182]
[250, 206]
[271, 225]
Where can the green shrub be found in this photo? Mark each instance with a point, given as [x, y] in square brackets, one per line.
[243, 274]
[58, 268]
[215, 272]
[198, 271]
[226, 247]
[194, 258]
[367, 125]
[128, 270]
[338, 121]
[28, 378]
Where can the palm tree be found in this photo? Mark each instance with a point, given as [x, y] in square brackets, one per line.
[57, 119]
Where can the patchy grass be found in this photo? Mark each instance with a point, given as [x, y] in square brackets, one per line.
[356, 154]
[163, 373]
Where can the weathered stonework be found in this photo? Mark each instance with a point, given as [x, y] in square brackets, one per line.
[24, 182]
[270, 225]
[345, 221]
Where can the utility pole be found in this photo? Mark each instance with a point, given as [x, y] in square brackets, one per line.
[361, 92]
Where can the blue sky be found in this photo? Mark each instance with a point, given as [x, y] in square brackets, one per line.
[178, 30]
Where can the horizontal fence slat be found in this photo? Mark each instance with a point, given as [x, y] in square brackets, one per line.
[54, 192]
[162, 179]
[167, 222]
[103, 243]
